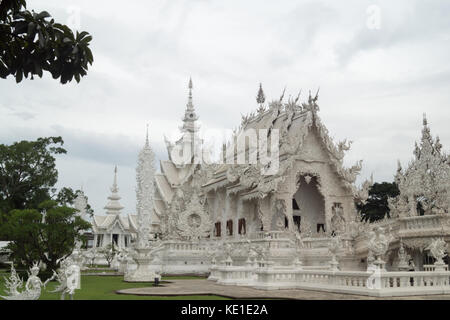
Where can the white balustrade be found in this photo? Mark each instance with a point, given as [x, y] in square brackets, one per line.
[381, 283]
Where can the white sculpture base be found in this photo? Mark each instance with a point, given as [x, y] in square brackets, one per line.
[142, 273]
[440, 265]
[403, 266]
[380, 264]
[334, 264]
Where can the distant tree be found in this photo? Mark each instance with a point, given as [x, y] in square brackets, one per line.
[28, 172]
[28, 175]
[377, 207]
[109, 252]
[30, 43]
[45, 234]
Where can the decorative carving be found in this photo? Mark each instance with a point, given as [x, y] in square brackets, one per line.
[334, 247]
[438, 249]
[403, 258]
[378, 245]
[338, 220]
[426, 181]
[194, 222]
[32, 290]
[306, 229]
[145, 173]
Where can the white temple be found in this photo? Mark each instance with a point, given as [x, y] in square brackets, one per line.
[113, 228]
[289, 220]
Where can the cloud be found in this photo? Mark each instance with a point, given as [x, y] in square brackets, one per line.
[375, 84]
[400, 23]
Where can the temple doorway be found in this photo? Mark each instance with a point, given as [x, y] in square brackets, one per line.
[309, 206]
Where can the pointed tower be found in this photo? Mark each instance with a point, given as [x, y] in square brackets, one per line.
[260, 97]
[145, 179]
[189, 144]
[113, 206]
[424, 185]
[145, 176]
[190, 117]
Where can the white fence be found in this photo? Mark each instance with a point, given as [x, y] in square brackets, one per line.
[379, 283]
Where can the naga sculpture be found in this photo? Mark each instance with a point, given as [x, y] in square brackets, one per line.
[438, 250]
[32, 290]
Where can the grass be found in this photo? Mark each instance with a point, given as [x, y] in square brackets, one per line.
[97, 271]
[104, 287]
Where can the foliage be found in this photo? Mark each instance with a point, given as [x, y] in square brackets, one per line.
[28, 172]
[45, 234]
[66, 197]
[376, 206]
[30, 43]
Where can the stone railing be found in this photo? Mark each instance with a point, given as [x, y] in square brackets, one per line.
[432, 267]
[232, 275]
[380, 283]
[313, 243]
[173, 245]
[422, 222]
[258, 235]
[364, 283]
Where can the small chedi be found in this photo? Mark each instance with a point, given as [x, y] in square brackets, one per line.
[288, 219]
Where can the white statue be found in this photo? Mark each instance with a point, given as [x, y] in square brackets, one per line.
[337, 220]
[32, 290]
[378, 246]
[438, 250]
[334, 246]
[69, 278]
[403, 258]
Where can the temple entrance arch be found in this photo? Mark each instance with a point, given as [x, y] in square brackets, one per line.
[308, 205]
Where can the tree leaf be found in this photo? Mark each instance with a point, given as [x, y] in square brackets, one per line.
[19, 76]
[43, 15]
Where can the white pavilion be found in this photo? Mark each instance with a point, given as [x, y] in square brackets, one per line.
[113, 228]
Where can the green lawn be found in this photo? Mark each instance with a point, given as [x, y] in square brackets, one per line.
[104, 287]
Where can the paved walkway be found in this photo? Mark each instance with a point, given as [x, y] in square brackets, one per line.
[205, 287]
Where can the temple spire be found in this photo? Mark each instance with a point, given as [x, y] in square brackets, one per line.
[145, 175]
[260, 97]
[114, 187]
[113, 206]
[190, 105]
[190, 117]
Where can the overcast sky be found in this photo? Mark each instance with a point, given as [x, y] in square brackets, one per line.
[379, 65]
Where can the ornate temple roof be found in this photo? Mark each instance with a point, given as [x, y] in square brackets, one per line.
[294, 121]
[106, 223]
[426, 180]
